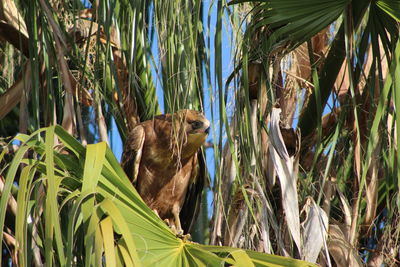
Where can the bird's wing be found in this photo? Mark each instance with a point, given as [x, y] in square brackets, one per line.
[133, 152]
[191, 206]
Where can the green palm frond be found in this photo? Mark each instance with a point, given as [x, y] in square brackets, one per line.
[90, 203]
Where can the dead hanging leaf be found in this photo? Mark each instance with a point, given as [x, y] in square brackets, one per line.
[391, 124]
[268, 221]
[315, 230]
[254, 126]
[372, 188]
[254, 70]
[23, 106]
[101, 122]
[340, 249]
[276, 135]
[353, 233]
[13, 95]
[84, 29]
[86, 13]
[68, 122]
[267, 163]
[12, 35]
[296, 66]
[347, 214]
[357, 151]
[237, 217]
[82, 93]
[12, 26]
[86, 21]
[9, 13]
[127, 103]
[329, 191]
[342, 83]
[286, 167]
[367, 68]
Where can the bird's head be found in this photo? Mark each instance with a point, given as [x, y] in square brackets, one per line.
[194, 122]
[195, 127]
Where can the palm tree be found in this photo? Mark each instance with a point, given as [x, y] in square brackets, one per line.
[305, 161]
[328, 69]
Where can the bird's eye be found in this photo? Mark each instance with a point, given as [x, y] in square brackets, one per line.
[197, 124]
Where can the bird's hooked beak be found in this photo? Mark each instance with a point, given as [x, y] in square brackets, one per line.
[206, 126]
[200, 126]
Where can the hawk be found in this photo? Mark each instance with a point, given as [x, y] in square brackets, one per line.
[163, 159]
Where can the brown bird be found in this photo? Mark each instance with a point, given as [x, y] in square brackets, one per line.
[163, 159]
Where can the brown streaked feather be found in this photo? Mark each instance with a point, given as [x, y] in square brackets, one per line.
[161, 155]
[133, 152]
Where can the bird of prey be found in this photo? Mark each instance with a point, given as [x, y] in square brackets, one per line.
[163, 159]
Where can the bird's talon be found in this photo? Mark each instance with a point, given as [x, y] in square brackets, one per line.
[186, 237]
[156, 212]
[179, 233]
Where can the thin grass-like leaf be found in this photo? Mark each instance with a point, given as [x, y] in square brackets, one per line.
[391, 7]
[53, 229]
[21, 219]
[7, 188]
